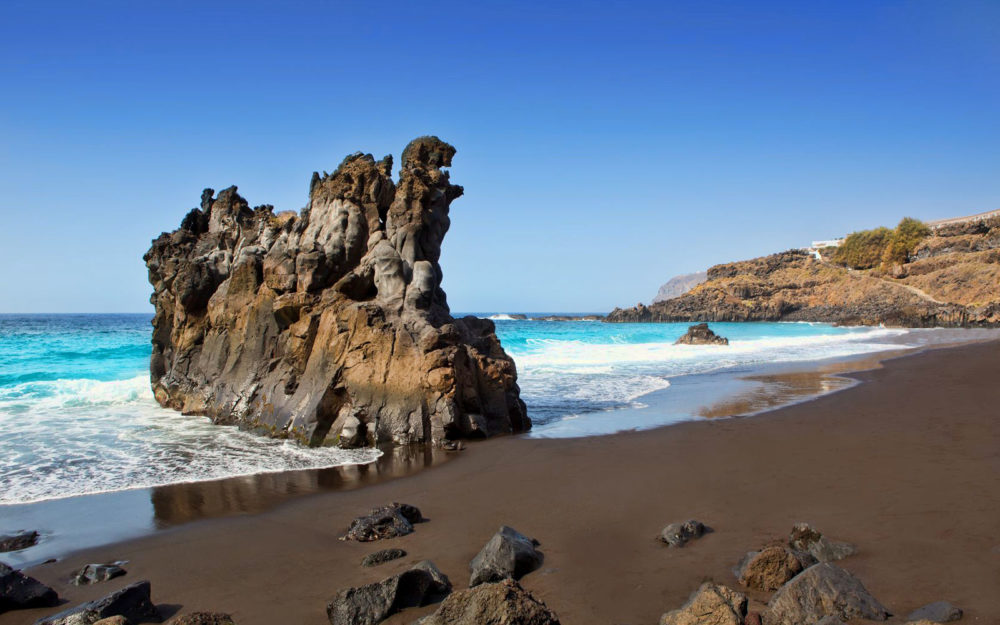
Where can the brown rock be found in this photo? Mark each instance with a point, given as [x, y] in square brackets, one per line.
[499, 603]
[712, 604]
[823, 590]
[807, 539]
[329, 326]
[115, 620]
[769, 568]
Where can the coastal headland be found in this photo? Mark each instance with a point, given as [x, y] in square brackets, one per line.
[904, 465]
[944, 275]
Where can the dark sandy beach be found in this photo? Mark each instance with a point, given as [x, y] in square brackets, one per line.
[905, 465]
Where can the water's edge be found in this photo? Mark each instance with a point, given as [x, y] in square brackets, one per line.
[72, 524]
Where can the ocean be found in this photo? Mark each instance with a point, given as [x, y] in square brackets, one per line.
[77, 415]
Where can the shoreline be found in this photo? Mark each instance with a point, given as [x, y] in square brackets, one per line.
[731, 392]
[872, 470]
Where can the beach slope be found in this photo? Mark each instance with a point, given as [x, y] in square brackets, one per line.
[905, 465]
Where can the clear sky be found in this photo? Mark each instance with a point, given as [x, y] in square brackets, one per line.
[604, 147]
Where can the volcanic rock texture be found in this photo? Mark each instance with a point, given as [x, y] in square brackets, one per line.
[331, 321]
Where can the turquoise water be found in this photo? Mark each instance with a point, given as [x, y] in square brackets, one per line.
[77, 415]
[571, 369]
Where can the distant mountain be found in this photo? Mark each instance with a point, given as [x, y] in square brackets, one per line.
[679, 285]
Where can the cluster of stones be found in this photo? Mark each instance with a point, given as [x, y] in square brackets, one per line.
[129, 605]
[493, 596]
[807, 587]
[329, 326]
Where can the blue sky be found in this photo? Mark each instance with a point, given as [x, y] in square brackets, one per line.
[604, 147]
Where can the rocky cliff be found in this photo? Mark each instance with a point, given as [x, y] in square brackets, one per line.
[951, 279]
[329, 325]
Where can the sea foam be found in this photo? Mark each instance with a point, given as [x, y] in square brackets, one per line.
[77, 415]
[64, 438]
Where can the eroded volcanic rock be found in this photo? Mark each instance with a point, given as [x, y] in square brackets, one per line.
[391, 521]
[295, 325]
[701, 334]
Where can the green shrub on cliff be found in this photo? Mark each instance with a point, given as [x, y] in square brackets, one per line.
[905, 238]
[881, 247]
[863, 249]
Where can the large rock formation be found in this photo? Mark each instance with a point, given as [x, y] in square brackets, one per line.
[299, 325]
[952, 278]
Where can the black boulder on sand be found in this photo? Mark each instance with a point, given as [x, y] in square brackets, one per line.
[133, 602]
[509, 554]
[373, 603]
[18, 591]
[390, 521]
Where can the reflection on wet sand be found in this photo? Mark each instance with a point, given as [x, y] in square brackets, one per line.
[181, 503]
[773, 390]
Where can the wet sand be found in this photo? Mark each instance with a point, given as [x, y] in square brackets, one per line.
[905, 465]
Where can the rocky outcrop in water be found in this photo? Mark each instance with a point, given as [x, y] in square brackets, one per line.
[951, 279]
[700, 334]
[299, 325]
